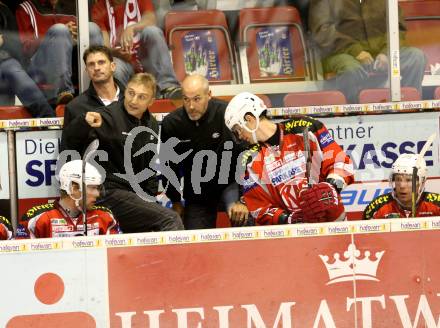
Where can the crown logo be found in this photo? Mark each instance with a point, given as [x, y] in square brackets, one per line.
[354, 267]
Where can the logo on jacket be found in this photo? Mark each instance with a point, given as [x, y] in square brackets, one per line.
[215, 135]
[325, 139]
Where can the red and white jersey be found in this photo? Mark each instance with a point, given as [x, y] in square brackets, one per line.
[51, 220]
[5, 228]
[115, 18]
[34, 18]
[386, 207]
[276, 173]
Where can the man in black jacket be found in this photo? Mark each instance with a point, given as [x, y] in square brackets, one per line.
[14, 80]
[128, 134]
[209, 158]
[103, 90]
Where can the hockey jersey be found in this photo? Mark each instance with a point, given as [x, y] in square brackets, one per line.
[51, 220]
[386, 207]
[276, 173]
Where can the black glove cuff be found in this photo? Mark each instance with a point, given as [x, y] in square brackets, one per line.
[336, 183]
[283, 218]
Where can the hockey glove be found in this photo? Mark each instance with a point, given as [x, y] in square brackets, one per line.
[320, 203]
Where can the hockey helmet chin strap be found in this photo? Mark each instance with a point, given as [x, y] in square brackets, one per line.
[418, 164]
[76, 200]
[253, 132]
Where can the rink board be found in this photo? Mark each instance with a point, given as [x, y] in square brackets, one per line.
[373, 141]
[353, 274]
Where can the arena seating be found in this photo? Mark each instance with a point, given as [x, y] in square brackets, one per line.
[164, 105]
[200, 43]
[383, 95]
[325, 97]
[13, 112]
[273, 43]
[264, 97]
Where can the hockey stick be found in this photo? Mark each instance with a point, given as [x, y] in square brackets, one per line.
[90, 150]
[415, 173]
[413, 191]
[308, 155]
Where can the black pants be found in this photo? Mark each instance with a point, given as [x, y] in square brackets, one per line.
[200, 215]
[137, 215]
[203, 215]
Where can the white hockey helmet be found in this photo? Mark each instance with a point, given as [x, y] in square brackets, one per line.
[404, 164]
[239, 106]
[72, 172]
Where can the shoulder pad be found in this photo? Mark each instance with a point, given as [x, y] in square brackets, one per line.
[376, 204]
[250, 154]
[432, 197]
[102, 208]
[37, 210]
[298, 123]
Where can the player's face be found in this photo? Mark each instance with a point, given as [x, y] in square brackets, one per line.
[403, 188]
[99, 68]
[242, 133]
[93, 192]
[138, 97]
[195, 101]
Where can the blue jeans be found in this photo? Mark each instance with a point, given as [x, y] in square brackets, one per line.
[154, 57]
[16, 81]
[52, 62]
[352, 76]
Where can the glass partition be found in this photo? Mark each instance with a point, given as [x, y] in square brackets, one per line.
[38, 61]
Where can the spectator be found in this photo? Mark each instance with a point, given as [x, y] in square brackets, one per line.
[200, 129]
[103, 89]
[276, 184]
[114, 126]
[352, 37]
[162, 7]
[398, 203]
[64, 218]
[137, 44]
[5, 228]
[48, 32]
[14, 79]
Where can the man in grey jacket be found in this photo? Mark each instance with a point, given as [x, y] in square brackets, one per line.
[352, 37]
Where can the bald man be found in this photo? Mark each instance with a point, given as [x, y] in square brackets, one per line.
[209, 159]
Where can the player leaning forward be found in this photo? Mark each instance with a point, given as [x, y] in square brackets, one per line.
[279, 186]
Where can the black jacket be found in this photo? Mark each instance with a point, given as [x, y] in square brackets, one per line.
[11, 47]
[116, 128]
[88, 101]
[208, 133]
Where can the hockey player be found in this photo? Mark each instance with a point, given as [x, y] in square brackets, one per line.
[64, 218]
[398, 203]
[5, 228]
[277, 189]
